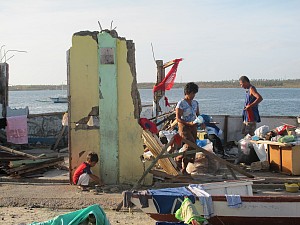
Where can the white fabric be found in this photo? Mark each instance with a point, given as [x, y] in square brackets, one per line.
[84, 179]
[204, 198]
[261, 152]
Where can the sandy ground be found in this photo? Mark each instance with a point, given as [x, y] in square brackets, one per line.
[23, 203]
[25, 215]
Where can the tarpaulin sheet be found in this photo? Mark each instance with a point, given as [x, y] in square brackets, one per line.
[76, 217]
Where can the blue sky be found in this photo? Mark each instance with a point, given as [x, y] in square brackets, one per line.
[219, 40]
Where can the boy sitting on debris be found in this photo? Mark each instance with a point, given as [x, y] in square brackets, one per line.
[83, 173]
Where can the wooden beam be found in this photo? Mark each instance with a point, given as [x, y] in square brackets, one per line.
[154, 162]
[32, 167]
[18, 152]
[158, 94]
[271, 143]
[232, 173]
[167, 64]
[59, 137]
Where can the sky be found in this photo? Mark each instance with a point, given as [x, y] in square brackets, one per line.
[218, 39]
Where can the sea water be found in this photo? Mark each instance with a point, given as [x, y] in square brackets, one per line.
[212, 101]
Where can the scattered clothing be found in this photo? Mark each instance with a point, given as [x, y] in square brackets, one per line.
[127, 199]
[234, 201]
[16, 130]
[164, 199]
[143, 197]
[204, 198]
[188, 212]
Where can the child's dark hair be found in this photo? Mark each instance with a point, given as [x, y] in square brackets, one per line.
[92, 157]
[190, 87]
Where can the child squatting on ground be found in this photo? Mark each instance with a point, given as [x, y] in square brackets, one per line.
[83, 173]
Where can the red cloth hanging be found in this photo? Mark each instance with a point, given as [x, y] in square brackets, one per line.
[168, 82]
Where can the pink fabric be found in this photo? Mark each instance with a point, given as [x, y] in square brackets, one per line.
[16, 130]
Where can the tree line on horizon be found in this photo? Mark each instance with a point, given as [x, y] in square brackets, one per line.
[259, 83]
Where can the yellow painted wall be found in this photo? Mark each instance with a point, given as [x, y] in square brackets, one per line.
[84, 92]
[130, 132]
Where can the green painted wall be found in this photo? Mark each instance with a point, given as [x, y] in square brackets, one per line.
[108, 108]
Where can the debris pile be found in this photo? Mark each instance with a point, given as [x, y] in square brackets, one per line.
[19, 164]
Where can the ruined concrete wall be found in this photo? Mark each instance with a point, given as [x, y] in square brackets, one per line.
[135, 94]
[130, 132]
[102, 75]
[44, 129]
[84, 97]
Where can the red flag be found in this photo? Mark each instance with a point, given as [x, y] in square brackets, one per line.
[168, 82]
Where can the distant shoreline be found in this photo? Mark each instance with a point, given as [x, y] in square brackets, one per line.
[207, 84]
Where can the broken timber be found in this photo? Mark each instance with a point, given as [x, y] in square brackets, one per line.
[162, 155]
[59, 137]
[17, 152]
[36, 166]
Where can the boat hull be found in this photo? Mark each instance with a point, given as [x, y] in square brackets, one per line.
[258, 210]
[59, 99]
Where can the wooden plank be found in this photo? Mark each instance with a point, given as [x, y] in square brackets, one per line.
[270, 143]
[17, 163]
[59, 137]
[154, 162]
[31, 167]
[22, 172]
[167, 64]
[171, 178]
[17, 152]
[155, 146]
[232, 173]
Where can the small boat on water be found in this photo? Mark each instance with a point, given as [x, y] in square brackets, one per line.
[252, 209]
[59, 99]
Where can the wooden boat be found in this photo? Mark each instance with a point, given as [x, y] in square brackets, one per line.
[59, 99]
[258, 210]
